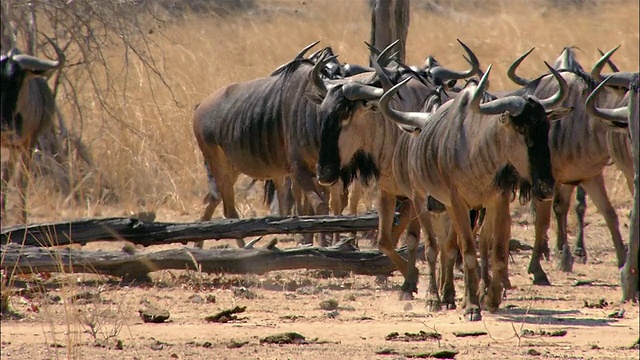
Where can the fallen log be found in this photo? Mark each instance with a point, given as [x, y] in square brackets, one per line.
[28, 259]
[158, 233]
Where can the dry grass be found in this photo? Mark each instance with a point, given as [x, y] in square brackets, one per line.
[151, 160]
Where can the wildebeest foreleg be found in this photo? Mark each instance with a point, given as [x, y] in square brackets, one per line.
[424, 217]
[460, 217]
[500, 220]
[595, 187]
[542, 220]
[561, 204]
[337, 203]
[313, 194]
[7, 173]
[26, 159]
[386, 241]
[448, 254]
[579, 250]
[629, 272]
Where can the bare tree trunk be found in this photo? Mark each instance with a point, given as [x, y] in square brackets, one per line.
[390, 22]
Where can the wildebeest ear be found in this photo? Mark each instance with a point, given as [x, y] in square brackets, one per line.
[559, 113]
[314, 97]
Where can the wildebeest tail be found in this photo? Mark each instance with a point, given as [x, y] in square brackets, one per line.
[214, 193]
[269, 191]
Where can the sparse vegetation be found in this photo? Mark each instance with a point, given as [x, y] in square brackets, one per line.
[150, 161]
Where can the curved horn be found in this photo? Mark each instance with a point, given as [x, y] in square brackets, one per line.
[382, 75]
[445, 74]
[512, 104]
[32, 63]
[613, 66]
[621, 79]
[512, 70]
[305, 49]
[560, 95]
[357, 91]
[59, 53]
[384, 55]
[619, 114]
[412, 122]
[374, 50]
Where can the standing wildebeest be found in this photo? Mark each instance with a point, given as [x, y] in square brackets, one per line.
[579, 153]
[266, 128]
[347, 136]
[348, 131]
[470, 155]
[27, 110]
[627, 117]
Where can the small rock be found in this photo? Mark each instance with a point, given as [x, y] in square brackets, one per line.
[196, 299]
[211, 299]
[617, 314]
[174, 356]
[351, 297]
[119, 345]
[235, 344]
[533, 352]
[284, 338]
[207, 344]
[243, 292]
[332, 314]
[153, 315]
[330, 304]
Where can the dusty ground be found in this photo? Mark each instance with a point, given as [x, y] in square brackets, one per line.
[290, 301]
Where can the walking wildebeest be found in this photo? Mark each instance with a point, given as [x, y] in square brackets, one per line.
[348, 130]
[579, 153]
[627, 118]
[27, 110]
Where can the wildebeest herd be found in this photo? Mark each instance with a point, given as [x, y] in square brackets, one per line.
[440, 147]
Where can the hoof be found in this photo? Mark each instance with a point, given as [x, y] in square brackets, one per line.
[541, 279]
[405, 295]
[566, 261]
[434, 305]
[450, 306]
[473, 314]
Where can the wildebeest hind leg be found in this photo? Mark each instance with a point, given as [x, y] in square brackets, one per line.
[7, 173]
[542, 219]
[561, 205]
[595, 188]
[460, 218]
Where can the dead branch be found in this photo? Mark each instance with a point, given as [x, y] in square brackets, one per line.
[20, 259]
[157, 233]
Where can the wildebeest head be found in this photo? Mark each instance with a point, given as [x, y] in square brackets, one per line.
[345, 114]
[337, 154]
[15, 72]
[524, 124]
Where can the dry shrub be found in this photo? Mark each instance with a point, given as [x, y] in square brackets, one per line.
[149, 156]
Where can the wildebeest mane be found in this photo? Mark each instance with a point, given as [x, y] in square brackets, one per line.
[361, 167]
[509, 180]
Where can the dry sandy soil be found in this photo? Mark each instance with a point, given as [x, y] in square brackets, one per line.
[54, 326]
[164, 173]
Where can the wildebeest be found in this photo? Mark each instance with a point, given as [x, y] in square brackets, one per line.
[28, 107]
[579, 153]
[347, 137]
[470, 155]
[349, 131]
[628, 118]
